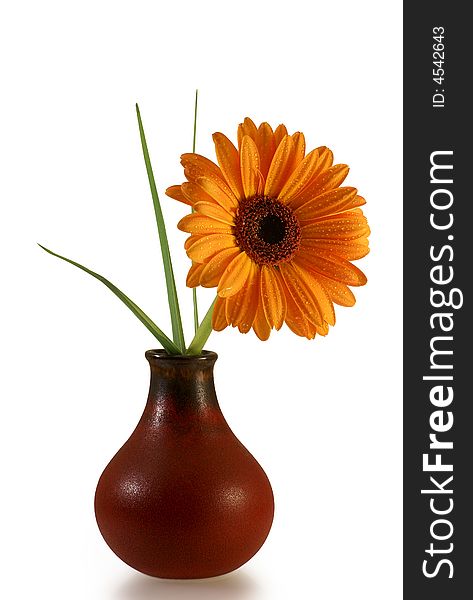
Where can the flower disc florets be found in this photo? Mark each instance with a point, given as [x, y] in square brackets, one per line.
[267, 230]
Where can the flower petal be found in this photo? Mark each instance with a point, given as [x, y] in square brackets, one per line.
[196, 165]
[211, 209]
[331, 178]
[198, 168]
[273, 297]
[301, 292]
[350, 250]
[247, 128]
[329, 203]
[241, 308]
[322, 182]
[229, 161]
[219, 192]
[346, 226]
[249, 164]
[201, 225]
[279, 169]
[175, 192]
[213, 270]
[338, 292]
[207, 246]
[235, 276]
[194, 193]
[266, 147]
[219, 322]
[299, 150]
[193, 277]
[279, 134]
[191, 240]
[300, 177]
[333, 267]
[260, 324]
[296, 320]
[326, 157]
[323, 299]
[322, 329]
[360, 201]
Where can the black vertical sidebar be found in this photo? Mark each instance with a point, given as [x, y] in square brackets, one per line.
[438, 332]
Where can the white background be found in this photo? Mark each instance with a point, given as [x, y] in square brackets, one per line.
[322, 417]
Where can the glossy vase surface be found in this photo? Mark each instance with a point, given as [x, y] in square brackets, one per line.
[183, 498]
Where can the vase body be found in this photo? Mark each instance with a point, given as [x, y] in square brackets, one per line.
[183, 498]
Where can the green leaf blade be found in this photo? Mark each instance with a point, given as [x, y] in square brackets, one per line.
[177, 331]
[167, 344]
[202, 334]
[194, 291]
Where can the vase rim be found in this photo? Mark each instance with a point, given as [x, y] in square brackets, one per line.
[161, 355]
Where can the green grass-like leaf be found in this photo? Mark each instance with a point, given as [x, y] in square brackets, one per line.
[177, 331]
[202, 334]
[167, 344]
[194, 291]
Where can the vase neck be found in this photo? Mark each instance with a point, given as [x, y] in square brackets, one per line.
[181, 386]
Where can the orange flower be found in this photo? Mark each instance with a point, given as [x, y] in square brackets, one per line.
[273, 231]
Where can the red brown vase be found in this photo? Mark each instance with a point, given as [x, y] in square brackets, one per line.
[183, 498]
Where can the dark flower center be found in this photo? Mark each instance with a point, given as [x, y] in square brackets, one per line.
[272, 229]
[267, 230]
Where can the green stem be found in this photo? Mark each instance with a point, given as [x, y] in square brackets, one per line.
[202, 333]
[177, 331]
[194, 291]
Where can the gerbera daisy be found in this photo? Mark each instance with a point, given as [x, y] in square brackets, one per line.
[273, 231]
